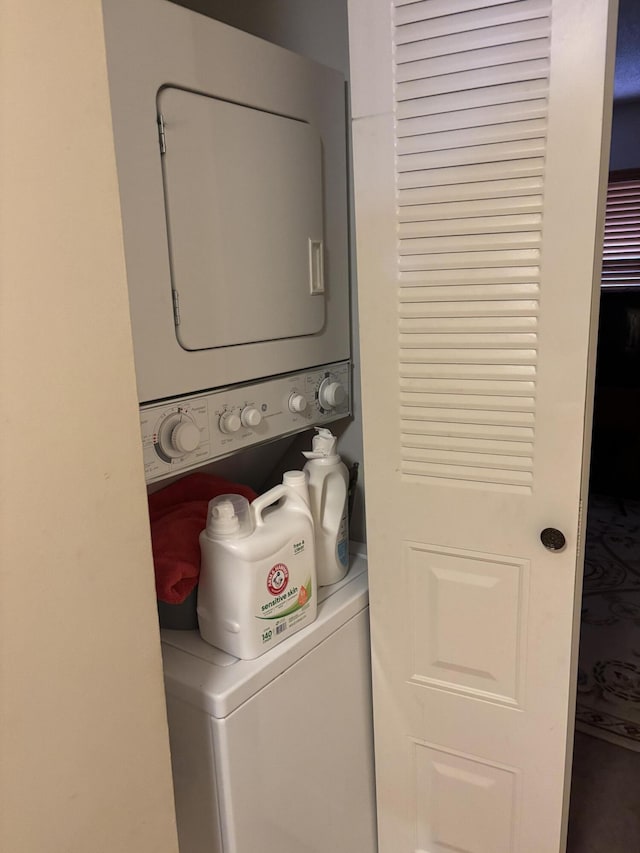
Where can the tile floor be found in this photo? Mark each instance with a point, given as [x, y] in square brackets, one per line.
[604, 815]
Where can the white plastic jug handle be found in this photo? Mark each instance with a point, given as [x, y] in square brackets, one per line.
[263, 501]
[332, 501]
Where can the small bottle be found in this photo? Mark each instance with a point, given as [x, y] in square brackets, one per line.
[328, 489]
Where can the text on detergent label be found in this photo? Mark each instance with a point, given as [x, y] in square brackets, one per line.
[280, 598]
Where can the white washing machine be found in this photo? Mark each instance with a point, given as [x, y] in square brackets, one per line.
[275, 755]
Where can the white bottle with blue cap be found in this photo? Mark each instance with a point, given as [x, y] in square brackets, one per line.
[328, 490]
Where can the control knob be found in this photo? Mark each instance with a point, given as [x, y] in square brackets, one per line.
[178, 436]
[331, 394]
[229, 422]
[185, 437]
[250, 416]
[297, 403]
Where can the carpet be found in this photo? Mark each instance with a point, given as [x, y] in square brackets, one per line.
[608, 702]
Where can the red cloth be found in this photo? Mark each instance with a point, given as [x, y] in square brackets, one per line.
[178, 513]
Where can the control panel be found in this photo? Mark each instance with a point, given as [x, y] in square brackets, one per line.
[187, 432]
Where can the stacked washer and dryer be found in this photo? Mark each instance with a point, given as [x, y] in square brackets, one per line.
[231, 156]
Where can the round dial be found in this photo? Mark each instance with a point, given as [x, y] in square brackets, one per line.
[178, 436]
[331, 394]
[229, 422]
[250, 416]
[185, 437]
[297, 403]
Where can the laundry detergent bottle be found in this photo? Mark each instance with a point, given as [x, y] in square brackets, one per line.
[328, 489]
[258, 574]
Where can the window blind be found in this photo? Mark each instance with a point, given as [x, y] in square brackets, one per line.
[621, 253]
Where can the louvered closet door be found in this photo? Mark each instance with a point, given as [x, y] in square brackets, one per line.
[478, 147]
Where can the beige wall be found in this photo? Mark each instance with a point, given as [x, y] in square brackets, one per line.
[84, 763]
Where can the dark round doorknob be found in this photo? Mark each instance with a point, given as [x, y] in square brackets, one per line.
[552, 539]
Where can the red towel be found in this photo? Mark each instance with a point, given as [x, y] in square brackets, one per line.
[178, 513]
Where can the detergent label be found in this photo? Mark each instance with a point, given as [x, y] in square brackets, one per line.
[288, 603]
[342, 542]
[285, 612]
[277, 579]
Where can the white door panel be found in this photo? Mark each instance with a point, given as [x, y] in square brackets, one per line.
[478, 164]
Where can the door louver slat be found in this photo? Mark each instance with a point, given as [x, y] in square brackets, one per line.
[471, 104]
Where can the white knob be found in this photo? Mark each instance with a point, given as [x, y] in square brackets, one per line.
[250, 417]
[185, 437]
[229, 422]
[178, 436]
[331, 394]
[297, 403]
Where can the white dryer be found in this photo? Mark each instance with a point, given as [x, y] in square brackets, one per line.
[232, 166]
[276, 754]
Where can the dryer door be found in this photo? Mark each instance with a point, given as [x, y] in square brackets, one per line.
[243, 197]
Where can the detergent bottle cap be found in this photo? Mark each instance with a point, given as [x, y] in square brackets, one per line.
[294, 478]
[298, 482]
[323, 445]
[229, 516]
